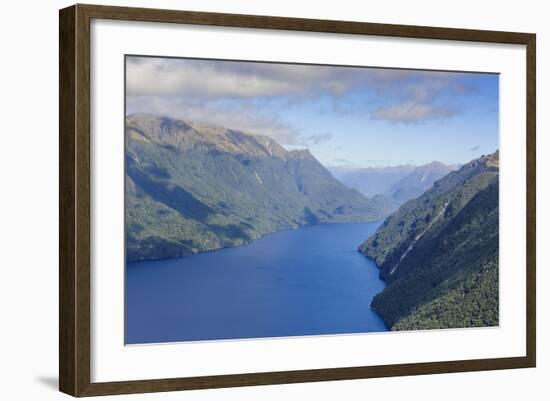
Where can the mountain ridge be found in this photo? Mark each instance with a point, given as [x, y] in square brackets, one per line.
[418, 181]
[195, 187]
[430, 250]
[397, 183]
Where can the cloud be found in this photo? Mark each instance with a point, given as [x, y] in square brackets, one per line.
[474, 148]
[412, 112]
[151, 76]
[315, 139]
[206, 79]
[246, 95]
[236, 117]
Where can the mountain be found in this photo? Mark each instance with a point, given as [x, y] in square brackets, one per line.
[195, 187]
[398, 183]
[418, 181]
[439, 253]
[371, 181]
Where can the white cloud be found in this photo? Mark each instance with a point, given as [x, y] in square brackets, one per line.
[239, 95]
[412, 112]
[150, 76]
[315, 139]
[155, 77]
[237, 118]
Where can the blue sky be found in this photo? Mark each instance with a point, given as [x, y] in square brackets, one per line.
[346, 116]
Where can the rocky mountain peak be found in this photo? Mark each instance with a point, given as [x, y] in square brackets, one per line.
[185, 135]
[298, 154]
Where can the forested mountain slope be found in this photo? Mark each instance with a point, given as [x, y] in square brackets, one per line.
[196, 187]
[439, 253]
[418, 181]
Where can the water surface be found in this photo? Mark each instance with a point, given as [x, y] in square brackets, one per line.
[309, 281]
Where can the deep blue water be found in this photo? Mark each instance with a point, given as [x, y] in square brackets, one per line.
[308, 281]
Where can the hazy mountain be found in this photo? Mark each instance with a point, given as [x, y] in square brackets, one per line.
[398, 183]
[418, 181]
[195, 187]
[439, 253]
[371, 181]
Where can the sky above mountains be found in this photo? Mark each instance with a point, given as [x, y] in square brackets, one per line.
[346, 116]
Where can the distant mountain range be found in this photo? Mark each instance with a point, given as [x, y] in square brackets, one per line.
[195, 187]
[371, 181]
[399, 183]
[439, 253]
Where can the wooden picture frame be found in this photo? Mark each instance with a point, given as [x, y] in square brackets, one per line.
[75, 207]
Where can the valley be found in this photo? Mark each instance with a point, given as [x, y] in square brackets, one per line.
[196, 187]
[439, 253]
[192, 188]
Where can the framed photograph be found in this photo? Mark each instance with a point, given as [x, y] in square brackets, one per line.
[250, 200]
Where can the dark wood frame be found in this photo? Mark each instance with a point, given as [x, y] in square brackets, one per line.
[74, 199]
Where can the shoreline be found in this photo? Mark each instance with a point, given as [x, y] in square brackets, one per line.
[252, 241]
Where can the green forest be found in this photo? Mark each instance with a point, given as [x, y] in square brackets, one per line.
[197, 187]
[439, 253]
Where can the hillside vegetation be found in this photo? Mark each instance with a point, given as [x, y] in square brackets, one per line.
[197, 187]
[439, 253]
